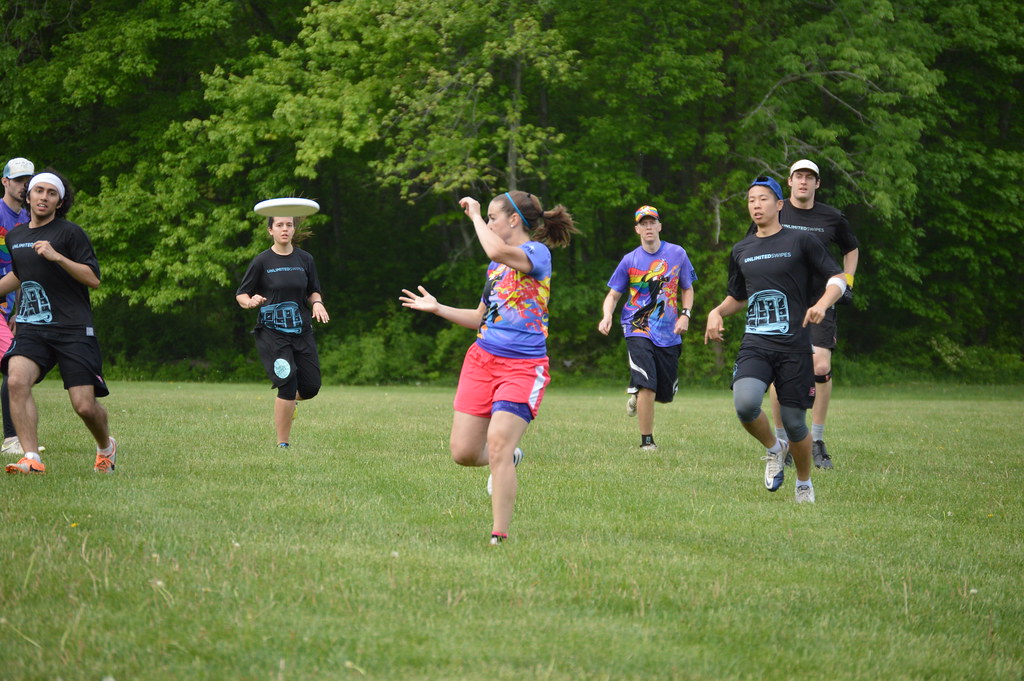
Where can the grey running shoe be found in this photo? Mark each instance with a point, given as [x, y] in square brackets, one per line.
[517, 456]
[631, 405]
[821, 457]
[649, 447]
[804, 493]
[775, 468]
[12, 447]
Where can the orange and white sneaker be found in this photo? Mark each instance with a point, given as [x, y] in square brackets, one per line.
[105, 462]
[26, 465]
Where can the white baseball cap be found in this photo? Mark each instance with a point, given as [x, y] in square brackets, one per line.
[19, 167]
[804, 164]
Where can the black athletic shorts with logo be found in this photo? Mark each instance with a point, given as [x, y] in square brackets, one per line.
[791, 372]
[289, 357]
[823, 334]
[653, 368]
[77, 355]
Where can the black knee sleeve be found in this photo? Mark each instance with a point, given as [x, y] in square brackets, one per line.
[308, 391]
[289, 390]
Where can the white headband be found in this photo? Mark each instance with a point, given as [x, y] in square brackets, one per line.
[48, 178]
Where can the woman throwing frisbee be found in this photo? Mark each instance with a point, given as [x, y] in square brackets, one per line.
[505, 371]
[282, 282]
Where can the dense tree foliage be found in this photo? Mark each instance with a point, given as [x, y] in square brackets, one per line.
[173, 119]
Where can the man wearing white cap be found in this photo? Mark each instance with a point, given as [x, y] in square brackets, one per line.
[829, 225]
[17, 172]
[55, 266]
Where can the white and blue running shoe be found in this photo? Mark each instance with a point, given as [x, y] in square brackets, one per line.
[775, 468]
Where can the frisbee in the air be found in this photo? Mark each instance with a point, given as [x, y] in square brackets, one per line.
[291, 207]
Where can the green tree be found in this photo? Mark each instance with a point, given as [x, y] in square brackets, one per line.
[968, 282]
[173, 120]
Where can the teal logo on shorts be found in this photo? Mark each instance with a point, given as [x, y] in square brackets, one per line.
[282, 368]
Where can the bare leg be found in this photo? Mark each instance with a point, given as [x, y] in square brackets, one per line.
[284, 411]
[21, 376]
[468, 440]
[776, 408]
[480, 441]
[92, 413]
[802, 457]
[761, 430]
[645, 410]
[503, 437]
[823, 391]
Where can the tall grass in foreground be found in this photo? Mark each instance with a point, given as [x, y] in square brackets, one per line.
[362, 553]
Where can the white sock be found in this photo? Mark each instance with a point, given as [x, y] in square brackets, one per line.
[803, 483]
[32, 455]
[817, 431]
[777, 447]
[780, 433]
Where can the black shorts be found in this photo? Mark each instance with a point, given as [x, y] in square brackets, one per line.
[77, 355]
[823, 334]
[791, 372]
[653, 368]
[287, 357]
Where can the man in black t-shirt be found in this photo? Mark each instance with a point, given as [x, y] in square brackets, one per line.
[55, 266]
[829, 226]
[772, 274]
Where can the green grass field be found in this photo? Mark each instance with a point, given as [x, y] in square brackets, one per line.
[363, 553]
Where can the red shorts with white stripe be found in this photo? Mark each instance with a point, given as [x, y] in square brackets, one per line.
[487, 378]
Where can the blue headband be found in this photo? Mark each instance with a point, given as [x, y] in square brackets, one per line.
[526, 225]
[765, 181]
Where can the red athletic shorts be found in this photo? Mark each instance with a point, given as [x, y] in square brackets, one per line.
[6, 336]
[487, 378]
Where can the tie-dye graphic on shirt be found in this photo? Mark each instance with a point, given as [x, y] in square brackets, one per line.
[5, 253]
[7, 302]
[651, 283]
[8, 219]
[515, 323]
[652, 293]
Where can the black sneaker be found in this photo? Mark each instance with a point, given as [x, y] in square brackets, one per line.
[821, 457]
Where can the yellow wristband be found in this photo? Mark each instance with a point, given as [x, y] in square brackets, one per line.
[849, 279]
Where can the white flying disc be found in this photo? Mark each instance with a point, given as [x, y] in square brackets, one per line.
[290, 207]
